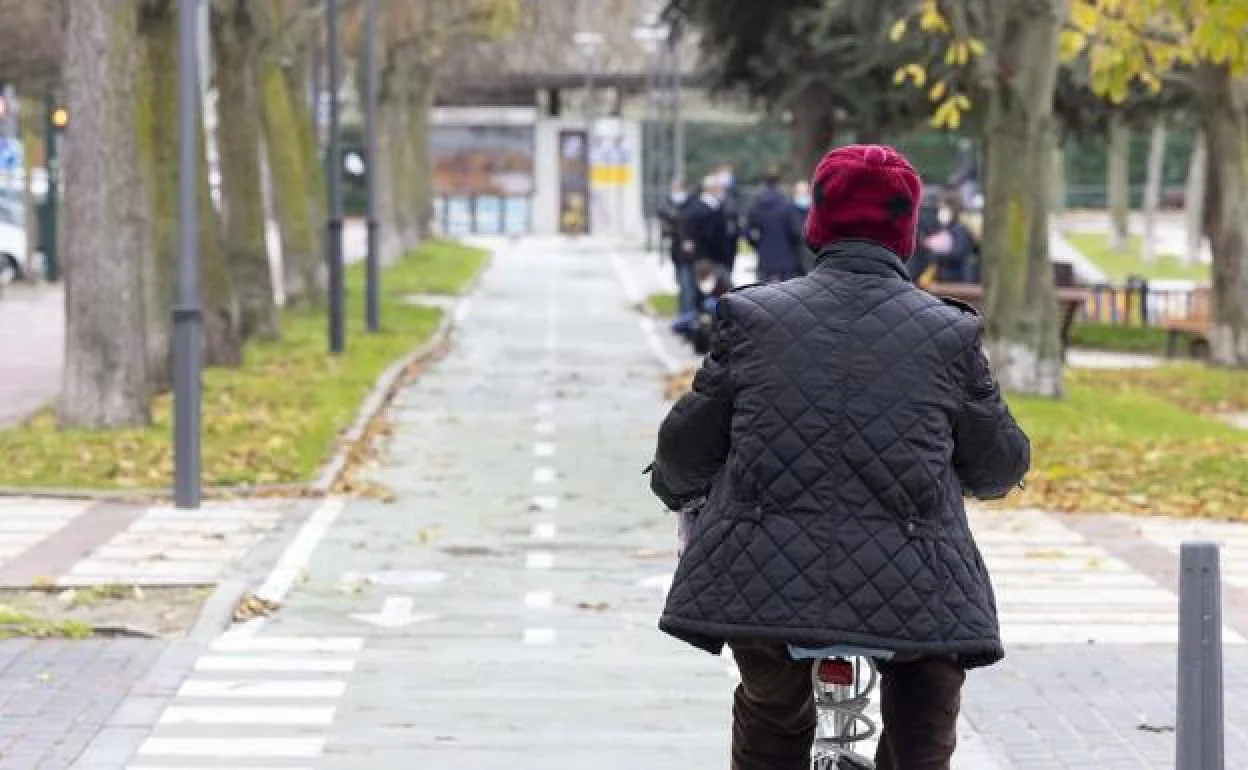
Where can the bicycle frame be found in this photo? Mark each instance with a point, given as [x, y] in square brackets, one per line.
[842, 689]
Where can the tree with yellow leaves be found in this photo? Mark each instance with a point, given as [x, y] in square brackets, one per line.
[1144, 40]
[415, 38]
[1010, 48]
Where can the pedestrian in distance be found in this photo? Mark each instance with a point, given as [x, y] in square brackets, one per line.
[672, 213]
[771, 233]
[833, 432]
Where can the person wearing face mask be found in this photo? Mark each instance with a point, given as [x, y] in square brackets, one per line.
[952, 247]
[730, 197]
[801, 209]
[702, 242]
[672, 213]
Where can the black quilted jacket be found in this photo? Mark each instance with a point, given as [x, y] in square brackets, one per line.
[835, 428]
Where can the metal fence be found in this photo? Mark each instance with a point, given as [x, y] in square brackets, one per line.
[1140, 305]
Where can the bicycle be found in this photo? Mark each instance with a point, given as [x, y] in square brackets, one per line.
[843, 683]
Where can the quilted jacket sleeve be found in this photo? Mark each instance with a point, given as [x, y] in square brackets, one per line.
[695, 436]
[991, 452]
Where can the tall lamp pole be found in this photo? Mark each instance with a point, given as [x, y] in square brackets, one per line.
[373, 299]
[588, 42]
[333, 173]
[650, 36]
[678, 126]
[186, 314]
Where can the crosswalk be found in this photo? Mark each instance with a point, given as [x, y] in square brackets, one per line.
[1232, 537]
[168, 546]
[26, 522]
[1054, 586]
[253, 703]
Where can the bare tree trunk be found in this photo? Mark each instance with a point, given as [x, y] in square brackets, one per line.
[387, 171]
[1057, 184]
[315, 276]
[223, 318]
[158, 142]
[235, 44]
[1224, 115]
[1119, 183]
[1152, 191]
[396, 158]
[1194, 198]
[1022, 334]
[814, 131]
[105, 378]
[300, 259]
[422, 163]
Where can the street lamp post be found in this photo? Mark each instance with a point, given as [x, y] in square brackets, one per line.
[333, 173]
[678, 126]
[186, 313]
[650, 36]
[57, 118]
[588, 43]
[373, 299]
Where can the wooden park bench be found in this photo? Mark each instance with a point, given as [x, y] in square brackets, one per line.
[1070, 298]
[1194, 327]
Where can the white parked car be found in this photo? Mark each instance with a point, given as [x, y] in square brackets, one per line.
[13, 253]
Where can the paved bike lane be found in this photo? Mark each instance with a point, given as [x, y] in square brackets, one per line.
[502, 610]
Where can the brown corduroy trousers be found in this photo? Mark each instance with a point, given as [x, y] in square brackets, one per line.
[773, 714]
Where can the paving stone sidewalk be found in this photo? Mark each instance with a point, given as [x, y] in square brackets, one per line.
[60, 696]
[78, 542]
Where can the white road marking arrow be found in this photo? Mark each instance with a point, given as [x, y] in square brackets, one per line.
[396, 612]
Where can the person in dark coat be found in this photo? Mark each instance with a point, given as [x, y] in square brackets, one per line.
[672, 212]
[730, 197]
[951, 244]
[801, 209]
[833, 431]
[770, 232]
[707, 225]
[921, 266]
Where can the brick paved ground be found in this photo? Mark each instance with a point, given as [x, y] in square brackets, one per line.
[56, 695]
[75, 543]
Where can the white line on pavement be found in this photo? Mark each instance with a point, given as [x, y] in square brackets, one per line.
[262, 688]
[544, 427]
[248, 715]
[289, 644]
[636, 296]
[234, 747]
[540, 636]
[539, 599]
[272, 663]
[539, 560]
[543, 449]
[543, 475]
[544, 530]
[545, 407]
[545, 502]
[296, 556]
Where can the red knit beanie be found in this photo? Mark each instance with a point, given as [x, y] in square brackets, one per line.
[865, 191]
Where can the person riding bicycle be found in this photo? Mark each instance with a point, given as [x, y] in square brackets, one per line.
[834, 430]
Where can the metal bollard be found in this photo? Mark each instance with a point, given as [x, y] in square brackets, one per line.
[1199, 724]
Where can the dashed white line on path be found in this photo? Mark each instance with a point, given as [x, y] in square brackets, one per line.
[539, 560]
[540, 636]
[545, 502]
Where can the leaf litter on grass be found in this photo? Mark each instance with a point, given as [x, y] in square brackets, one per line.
[1139, 441]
